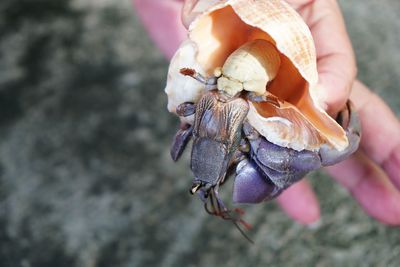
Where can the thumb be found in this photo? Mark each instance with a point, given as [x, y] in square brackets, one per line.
[336, 77]
[162, 21]
[336, 62]
[188, 13]
[193, 8]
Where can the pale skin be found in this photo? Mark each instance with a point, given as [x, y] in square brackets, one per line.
[371, 175]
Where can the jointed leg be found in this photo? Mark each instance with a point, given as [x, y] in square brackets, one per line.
[214, 206]
[181, 139]
[267, 97]
[237, 157]
[249, 132]
[186, 109]
[210, 82]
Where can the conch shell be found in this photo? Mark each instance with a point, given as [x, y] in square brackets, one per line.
[220, 29]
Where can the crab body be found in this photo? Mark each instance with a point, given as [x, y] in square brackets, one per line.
[217, 132]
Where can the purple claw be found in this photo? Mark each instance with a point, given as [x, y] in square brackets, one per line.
[281, 179]
[181, 139]
[250, 186]
[350, 121]
[283, 159]
[282, 166]
[271, 168]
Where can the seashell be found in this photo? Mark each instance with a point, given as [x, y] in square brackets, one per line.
[269, 41]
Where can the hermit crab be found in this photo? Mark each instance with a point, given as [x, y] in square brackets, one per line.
[244, 85]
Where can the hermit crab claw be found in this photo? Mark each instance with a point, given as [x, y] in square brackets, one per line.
[250, 185]
[272, 168]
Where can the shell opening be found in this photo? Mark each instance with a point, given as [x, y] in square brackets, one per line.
[216, 41]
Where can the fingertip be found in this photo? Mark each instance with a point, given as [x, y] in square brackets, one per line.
[336, 84]
[369, 185]
[379, 125]
[380, 200]
[392, 166]
[300, 203]
[162, 20]
[336, 60]
[335, 94]
[187, 14]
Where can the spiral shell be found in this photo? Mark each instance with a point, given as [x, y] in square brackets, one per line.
[220, 29]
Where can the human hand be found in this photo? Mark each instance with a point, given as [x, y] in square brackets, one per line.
[372, 175]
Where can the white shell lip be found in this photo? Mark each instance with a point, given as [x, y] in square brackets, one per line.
[184, 89]
[180, 88]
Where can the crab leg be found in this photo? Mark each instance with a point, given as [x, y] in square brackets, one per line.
[250, 186]
[210, 82]
[186, 109]
[267, 97]
[349, 120]
[181, 139]
[226, 214]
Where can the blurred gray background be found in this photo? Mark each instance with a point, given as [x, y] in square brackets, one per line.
[85, 174]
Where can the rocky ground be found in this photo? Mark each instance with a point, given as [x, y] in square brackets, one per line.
[85, 174]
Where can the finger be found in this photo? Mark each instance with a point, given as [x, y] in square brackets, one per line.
[300, 203]
[193, 8]
[162, 19]
[299, 3]
[370, 187]
[380, 131]
[187, 12]
[336, 62]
